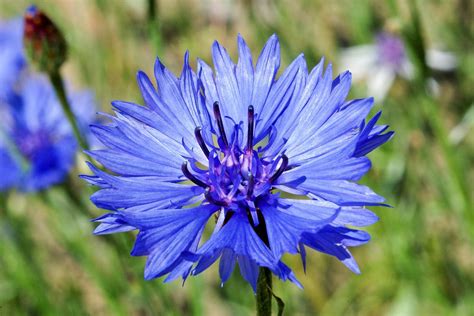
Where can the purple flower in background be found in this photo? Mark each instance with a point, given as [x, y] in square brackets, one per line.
[269, 163]
[381, 62]
[391, 51]
[37, 146]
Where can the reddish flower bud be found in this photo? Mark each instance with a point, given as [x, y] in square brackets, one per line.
[44, 44]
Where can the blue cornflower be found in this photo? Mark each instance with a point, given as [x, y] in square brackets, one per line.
[230, 149]
[37, 146]
[12, 58]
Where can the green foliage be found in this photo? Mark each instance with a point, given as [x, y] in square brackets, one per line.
[421, 259]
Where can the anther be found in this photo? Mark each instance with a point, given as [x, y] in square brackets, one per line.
[283, 165]
[250, 185]
[190, 176]
[220, 123]
[200, 140]
[251, 124]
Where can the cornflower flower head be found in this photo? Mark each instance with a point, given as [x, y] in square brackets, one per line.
[37, 147]
[271, 163]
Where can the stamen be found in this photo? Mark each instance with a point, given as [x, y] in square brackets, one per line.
[250, 185]
[190, 176]
[283, 165]
[210, 198]
[220, 123]
[253, 213]
[251, 124]
[200, 140]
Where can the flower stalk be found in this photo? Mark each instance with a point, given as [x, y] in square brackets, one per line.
[264, 292]
[154, 25]
[58, 85]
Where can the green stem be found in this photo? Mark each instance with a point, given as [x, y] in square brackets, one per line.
[154, 25]
[74, 194]
[58, 85]
[264, 292]
[151, 11]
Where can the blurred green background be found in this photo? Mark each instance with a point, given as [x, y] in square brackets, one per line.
[421, 258]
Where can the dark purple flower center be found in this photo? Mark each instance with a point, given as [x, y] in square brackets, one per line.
[31, 143]
[236, 178]
[391, 50]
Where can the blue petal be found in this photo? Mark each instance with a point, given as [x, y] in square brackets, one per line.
[190, 86]
[319, 210]
[334, 241]
[165, 234]
[227, 86]
[207, 78]
[173, 102]
[244, 72]
[339, 90]
[106, 228]
[325, 168]
[9, 170]
[136, 150]
[341, 192]
[182, 268]
[125, 192]
[285, 273]
[265, 71]
[114, 137]
[249, 269]
[111, 223]
[227, 264]
[308, 113]
[356, 216]
[49, 165]
[237, 234]
[343, 122]
[148, 117]
[285, 226]
[371, 137]
[287, 122]
[205, 261]
[290, 83]
[365, 147]
[130, 165]
[93, 180]
[302, 251]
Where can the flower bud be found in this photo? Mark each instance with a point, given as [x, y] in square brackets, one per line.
[45, 45]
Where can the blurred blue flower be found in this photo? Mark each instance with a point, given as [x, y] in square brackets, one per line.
[12, 59]
[37, 146]
[275, 160]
